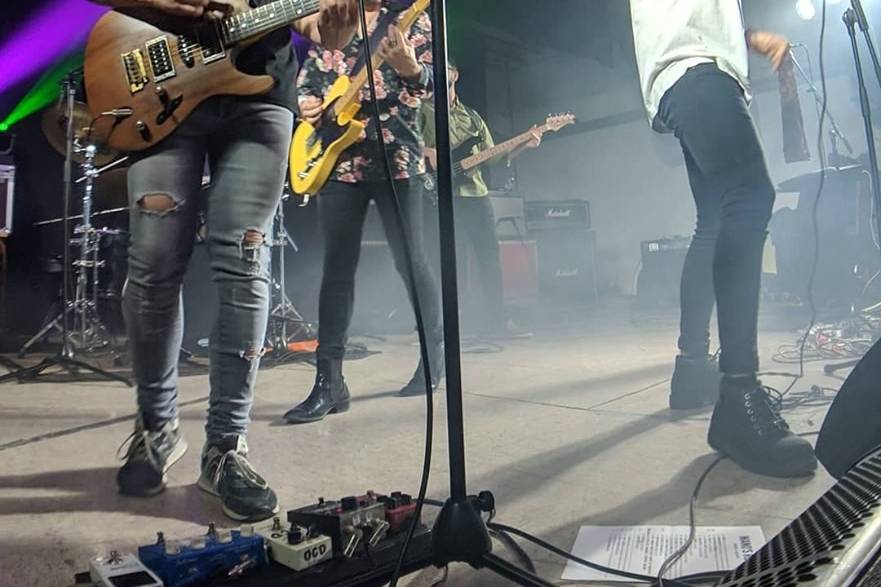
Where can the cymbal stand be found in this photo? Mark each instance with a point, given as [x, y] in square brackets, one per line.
[87, 327]
[88, 332]
[284, 314]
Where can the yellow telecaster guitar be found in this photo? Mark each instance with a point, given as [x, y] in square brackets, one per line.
[315, 151]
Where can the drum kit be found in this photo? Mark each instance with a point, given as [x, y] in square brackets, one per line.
[96, 269]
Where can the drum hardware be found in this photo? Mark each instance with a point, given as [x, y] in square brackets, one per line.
[88, 332]
[286, 324]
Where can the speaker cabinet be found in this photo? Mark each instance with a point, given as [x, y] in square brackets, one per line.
[567, 265]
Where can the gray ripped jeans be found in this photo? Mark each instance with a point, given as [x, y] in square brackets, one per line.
[247, 146]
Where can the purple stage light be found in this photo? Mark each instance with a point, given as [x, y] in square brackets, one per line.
[53, 32]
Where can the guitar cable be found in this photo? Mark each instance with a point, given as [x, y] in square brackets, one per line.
[405, 235]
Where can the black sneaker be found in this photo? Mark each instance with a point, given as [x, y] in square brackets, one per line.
[226, 473]
[695, 383]
[148, 457]
[748, 428]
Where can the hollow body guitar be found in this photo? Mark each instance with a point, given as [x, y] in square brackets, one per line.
[315, 151]
[161, 68]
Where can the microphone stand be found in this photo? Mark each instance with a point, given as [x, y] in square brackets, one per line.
[460, 533]
[851, 17]
[850, 20]
[859, 16]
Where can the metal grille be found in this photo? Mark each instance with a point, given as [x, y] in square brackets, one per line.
[811, 547]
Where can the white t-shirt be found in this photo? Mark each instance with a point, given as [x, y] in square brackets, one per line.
[672, 36]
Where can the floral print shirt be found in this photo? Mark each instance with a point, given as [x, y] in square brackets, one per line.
[399, 105]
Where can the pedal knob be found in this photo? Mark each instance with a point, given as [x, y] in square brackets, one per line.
[349, 504]
[224, 536]
[295, 535]
[172, 547]
[247, 531]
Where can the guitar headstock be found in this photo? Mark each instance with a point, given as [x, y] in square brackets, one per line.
[555, 122]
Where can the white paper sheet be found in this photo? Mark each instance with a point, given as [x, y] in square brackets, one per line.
[642, 549]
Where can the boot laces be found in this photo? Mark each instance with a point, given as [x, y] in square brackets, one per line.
[763, 406]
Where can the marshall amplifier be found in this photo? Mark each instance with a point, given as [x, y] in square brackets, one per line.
[558, 215]
[567, 265]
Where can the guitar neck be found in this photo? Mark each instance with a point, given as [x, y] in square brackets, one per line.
[265, 19]
[353, 94]
[505, 148]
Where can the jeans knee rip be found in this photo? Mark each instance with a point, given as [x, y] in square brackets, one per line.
[252, 243]
[252, 353]
[158, 204]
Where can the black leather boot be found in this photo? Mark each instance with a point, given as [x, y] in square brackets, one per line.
[329, 395]
[416, 386]
[748, 428]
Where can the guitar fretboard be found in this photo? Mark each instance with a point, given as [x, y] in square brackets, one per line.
[495, 151]
[266, 18]
[352, 95]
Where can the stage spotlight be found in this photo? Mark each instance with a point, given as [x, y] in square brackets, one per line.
[805, 9]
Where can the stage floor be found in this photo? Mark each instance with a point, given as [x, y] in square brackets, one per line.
[567, 428]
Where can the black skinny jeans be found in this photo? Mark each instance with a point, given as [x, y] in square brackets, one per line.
[734, 196]
[476, 222]
[342, 208]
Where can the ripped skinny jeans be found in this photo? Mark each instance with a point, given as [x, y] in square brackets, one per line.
[246, 143]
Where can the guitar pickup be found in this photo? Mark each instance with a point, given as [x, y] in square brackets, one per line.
[161, 61]
[135, 70]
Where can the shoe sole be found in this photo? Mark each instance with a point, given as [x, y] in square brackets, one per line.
[781, 472]
[179, 451]
[208, 487]
[340, 409]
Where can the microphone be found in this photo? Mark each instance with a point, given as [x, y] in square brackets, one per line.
[119, 113]
[861, 15]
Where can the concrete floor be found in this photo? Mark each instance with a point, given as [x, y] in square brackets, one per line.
[567, 428]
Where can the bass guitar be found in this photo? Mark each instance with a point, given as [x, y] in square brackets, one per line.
[315, 150]
[465, 160]
[151, 70]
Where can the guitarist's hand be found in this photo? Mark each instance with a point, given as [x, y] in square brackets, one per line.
[218, 9]
[339, 19]
[536, 139]
[399, 53]
[179, 7]
[430, 156]
[311, 109]
[773, 46]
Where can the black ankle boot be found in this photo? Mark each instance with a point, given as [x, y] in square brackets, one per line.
[695, 383]
[748, 428]
[329, 395]
[416, 386]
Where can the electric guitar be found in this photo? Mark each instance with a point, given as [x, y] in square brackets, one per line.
[465, 160]
[151, 70]
[315, 151]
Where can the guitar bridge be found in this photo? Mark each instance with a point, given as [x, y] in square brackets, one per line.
[135, 70]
